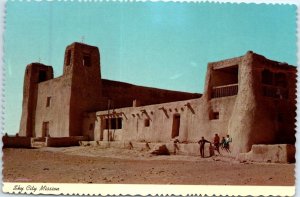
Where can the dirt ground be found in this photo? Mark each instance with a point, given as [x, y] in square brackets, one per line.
[95, 165]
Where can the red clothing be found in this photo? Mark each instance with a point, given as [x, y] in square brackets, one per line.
[216, 140]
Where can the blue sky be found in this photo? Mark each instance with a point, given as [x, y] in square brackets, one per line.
[164, 45]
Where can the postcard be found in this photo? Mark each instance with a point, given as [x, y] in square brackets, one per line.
[159, 98]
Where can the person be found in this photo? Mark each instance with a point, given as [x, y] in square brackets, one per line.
[222, 143]
[226, 144]
[176, 148]
[202, 143]
[217, 143]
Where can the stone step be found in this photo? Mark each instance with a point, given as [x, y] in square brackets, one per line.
[38, 144]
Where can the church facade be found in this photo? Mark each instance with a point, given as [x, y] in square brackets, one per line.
[250, 98]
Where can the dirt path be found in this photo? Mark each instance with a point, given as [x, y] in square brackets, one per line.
[94, 165]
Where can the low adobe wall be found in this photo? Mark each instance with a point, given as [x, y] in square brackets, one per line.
[65, 141]
[192, 149]
[275, 153]
[16, 142]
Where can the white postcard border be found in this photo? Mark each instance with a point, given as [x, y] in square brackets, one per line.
[140, 189]
[143, 189]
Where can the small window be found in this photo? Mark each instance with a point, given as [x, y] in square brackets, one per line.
[280, 80]
[119, 123]
[147, 122]
[86, 61]
[68, 58]
[91, 126]
[48, 102]
[42, 75]
[267, 77]
[113, 123]
[214, 116]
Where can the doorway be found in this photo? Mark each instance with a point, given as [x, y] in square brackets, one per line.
[45, 129]
[176, 125]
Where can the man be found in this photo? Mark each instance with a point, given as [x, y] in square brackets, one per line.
[223, 143]
[176, 148]
[227, 141]
[202, 143]
[217, 143]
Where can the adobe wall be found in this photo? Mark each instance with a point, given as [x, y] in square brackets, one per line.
[194, 121]
[57, 114]
[253, 119]
[195, 118]
[16, 142]
[249, 117]
[276, 113]
[64, 141]
[123, 94]
[241, 119]
[275, 153]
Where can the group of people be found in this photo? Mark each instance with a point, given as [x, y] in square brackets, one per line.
[224, 144]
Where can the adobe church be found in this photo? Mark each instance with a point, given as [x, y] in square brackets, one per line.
[251, 98]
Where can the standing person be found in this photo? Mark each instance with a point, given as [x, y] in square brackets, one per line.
[176, 148]
[223, 143]
[227, 141]
[202, 143]
[217, 143]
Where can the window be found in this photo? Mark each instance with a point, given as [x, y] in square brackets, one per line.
[214, 115]
[224, 81]
[267, 77]
[42, 75]
[113, 123]
[280, 80]
[68, 58]
[225, 76]
[86, 61]
[120, 123]
[147, 122]
[275, 85]
[48, 102]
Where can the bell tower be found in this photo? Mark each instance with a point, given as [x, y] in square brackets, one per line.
[35, 73]
[82, 67]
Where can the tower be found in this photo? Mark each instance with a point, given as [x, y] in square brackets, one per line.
[82, 67]
[34, 74]
[264, 110]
